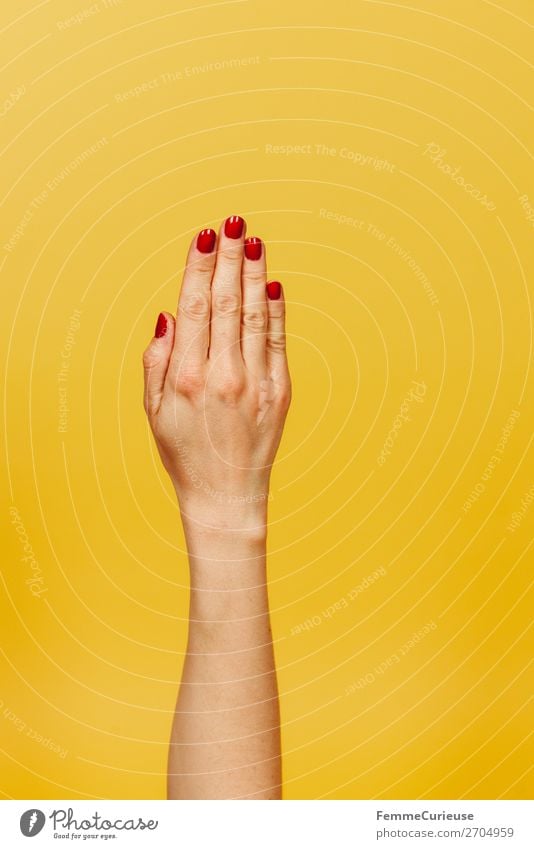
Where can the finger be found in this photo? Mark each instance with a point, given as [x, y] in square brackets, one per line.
[226, 293]
[191, 339]
[254, 310]
[156, 359]
[276, 331]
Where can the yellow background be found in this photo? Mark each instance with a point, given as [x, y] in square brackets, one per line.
[92, 663]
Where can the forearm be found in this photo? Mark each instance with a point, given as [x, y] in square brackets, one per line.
[226, 735]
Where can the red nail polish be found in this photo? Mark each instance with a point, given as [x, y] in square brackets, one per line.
[206, 240]
[274, 290]
[233, 227]
[161, 326]
[253, 247]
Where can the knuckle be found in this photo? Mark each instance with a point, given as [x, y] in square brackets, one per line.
[196, 306]
[230, 387]
[226, 303]
[285, 396]
[254, 318]
[255, 277]
[276, 310]
[189, 381]
[276, 343]
[231, 251]
[202, 264]
[150, 358]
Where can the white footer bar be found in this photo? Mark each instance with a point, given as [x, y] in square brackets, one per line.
[269, 825]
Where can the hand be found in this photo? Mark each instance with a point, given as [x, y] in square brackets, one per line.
[217, 385]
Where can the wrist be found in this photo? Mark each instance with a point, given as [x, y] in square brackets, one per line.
[244, 515]
[228, 534]
[232, 563]
[232, 543]
[228, 584]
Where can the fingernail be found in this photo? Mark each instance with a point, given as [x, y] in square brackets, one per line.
[253, 247]
[233, 227]
[206, 240]
[161, 326]
[274, 290]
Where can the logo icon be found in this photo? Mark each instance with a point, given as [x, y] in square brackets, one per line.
[31, 822]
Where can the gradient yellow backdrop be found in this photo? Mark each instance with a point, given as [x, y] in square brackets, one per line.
[383, 152]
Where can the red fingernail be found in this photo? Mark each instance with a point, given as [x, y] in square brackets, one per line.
[206, 240]
[274, 290]
[233, 227]
[253, 247]
[161, 326]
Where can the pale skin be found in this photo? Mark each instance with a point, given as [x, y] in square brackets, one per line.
[217, 390]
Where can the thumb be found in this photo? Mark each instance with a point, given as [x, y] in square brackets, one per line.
[156, 360]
